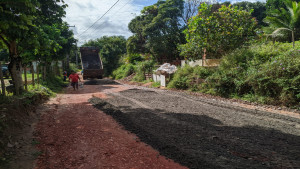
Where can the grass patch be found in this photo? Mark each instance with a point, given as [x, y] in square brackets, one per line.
[155, 84]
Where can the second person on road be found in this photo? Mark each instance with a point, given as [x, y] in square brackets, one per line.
[74, 77]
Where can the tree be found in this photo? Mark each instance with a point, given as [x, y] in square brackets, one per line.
[216, 33]
[275, 4]
[16, 21]
[158, 30]
[22, 23]
[285, 19]
[190, 8]
[259, 10]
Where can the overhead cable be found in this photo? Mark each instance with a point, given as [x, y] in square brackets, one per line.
[99, 18]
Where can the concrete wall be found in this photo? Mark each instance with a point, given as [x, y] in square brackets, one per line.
[160, 78]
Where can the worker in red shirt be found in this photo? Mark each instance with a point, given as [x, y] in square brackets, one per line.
[74, 77]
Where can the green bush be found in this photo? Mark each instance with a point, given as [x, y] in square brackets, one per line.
[133, 58]
[185, 77]
[142, 68]
[123, 71]
[182, 78]
[54, 83]
[278, 79]
[266, 73]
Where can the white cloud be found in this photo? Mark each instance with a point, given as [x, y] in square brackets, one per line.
[84, 13]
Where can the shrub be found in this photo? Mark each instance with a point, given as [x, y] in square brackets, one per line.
[182, 78]
[267, 73]
[54, 83]
[142, 68]
[278, 79]
[186, 77]
[133, 58]
[123, 71]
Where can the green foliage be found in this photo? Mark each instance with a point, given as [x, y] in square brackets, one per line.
[285, 20]
[33, 31]
[185, 77]
[182, 78]
[157, 30]
[278, 79]
[264, 73]
[123, 71]
[155, 84]
[72, 68]
[275, 4]
[217, 32]
[54, 83]
[258, 8]
[132, 58]
[142, 68]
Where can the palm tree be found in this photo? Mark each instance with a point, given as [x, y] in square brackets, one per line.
[285, 19]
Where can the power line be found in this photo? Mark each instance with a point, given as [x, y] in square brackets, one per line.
[99, 18]
[85, 36]
[104, 22]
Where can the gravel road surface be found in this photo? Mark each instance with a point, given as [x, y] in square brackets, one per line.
[200, 132]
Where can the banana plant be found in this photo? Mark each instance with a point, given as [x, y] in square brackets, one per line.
[287, 20]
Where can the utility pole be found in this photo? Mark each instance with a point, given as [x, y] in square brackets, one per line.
[68, 55]
[76, 54]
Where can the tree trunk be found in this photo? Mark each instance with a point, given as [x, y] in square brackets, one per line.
[25, 77]
[32, 73]
[63, 65]
[68, 62]
[2, 82]
[45, 71]
[15, 68]
[76, 58]
[293, 39]
[38, 73]
[57, 69]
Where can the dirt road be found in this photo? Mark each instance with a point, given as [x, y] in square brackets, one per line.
[195, 132]
[74, 135]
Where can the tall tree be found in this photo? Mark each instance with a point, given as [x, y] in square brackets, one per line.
[275, 4]
[285, 19]
[216, 33]
[22, 21]
[259, 10]
[158, 29]
[16, 21]
[190, 8]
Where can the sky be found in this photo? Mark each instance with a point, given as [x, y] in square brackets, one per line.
[86, 15]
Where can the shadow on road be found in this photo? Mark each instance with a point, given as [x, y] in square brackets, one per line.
[199, 141]
[100, 82]
[93, 86]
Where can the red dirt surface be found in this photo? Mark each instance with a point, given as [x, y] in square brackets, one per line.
[72, 134]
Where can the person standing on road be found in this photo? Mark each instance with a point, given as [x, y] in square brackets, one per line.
[74, 77]
[65, 75]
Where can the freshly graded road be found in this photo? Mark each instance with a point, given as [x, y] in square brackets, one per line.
[192, 131]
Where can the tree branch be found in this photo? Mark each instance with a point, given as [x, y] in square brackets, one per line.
[4, 40]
